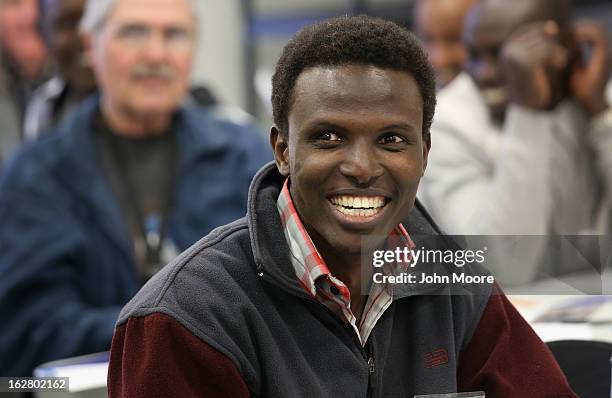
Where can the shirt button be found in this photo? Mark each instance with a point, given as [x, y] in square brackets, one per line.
[334, 289]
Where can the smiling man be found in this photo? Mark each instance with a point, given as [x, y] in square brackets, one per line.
[272, 305]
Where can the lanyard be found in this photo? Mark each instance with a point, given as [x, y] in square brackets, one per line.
[151, 228]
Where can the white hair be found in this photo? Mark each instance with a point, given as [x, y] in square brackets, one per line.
[97, 11]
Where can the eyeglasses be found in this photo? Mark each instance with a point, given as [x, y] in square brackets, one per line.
[137, 36]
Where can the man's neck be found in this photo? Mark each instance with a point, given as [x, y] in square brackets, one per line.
[77, 92]
[133, 125]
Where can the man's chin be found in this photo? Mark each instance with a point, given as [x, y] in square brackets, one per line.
[356, 244]
[155, 109]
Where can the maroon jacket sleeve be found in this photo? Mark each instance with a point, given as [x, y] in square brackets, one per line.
[155, 356]
[505, 358]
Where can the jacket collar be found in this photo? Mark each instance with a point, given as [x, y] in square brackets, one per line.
[271, 251]
[79, 169]
[197, 130]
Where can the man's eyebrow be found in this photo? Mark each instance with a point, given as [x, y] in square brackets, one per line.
[400, 126]
[131, 24]
[140, 23]
[320, 124]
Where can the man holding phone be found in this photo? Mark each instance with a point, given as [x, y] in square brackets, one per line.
[515, 134]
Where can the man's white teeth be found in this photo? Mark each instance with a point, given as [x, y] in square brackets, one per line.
[357, 212]
[359, 202]
[360, 206]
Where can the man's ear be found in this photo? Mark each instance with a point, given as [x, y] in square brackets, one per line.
[426, 149]
[280, 146]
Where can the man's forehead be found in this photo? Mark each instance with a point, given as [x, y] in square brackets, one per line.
[344, 76]
[445, 8]
[341, 90]
[152, 11]
[12, 3]
[340, 81]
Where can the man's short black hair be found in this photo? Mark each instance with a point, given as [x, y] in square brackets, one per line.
[351, 40]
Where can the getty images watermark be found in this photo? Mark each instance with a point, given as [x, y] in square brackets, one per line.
[435, 266]
[520, 264]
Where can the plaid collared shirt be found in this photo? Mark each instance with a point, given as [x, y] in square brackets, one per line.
[317, 280]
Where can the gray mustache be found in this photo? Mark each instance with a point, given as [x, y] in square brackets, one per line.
[152, 71]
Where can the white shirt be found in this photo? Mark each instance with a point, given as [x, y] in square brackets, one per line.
[533, 176]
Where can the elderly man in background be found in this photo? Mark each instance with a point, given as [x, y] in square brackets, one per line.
[74, 79]
[439, 24]
[23, 61]
[515, 135]
[128, 180]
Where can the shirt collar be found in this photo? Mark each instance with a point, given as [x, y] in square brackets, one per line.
[307, 262]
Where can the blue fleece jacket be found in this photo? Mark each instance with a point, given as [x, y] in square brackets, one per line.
[66, 262]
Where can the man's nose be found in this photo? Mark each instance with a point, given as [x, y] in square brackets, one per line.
[361, 164]
[155, 48]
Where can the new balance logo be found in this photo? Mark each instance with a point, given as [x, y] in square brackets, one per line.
[436, 358]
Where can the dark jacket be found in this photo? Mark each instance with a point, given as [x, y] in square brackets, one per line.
[66, 262]
[228, 318]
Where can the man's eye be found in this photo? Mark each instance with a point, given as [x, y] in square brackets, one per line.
[392, 139]
[329, 136]
[178, 37]
[133, 33]
[177, 34]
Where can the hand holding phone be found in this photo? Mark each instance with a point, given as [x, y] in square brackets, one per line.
[591, 71]
[533, 59]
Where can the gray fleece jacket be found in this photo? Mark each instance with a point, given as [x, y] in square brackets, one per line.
[228, 318]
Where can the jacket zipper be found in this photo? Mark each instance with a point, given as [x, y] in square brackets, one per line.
[371, 376]
[368, 357]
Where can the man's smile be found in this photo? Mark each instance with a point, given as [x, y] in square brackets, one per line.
[360, 206]
[358, 210]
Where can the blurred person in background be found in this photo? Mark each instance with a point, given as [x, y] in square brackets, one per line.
[129, 179]
[515, 134]
[23, 67]
[439, 24]
[74, 79]
[9, 118]
[589, 86]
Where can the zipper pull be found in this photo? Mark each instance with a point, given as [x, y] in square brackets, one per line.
[371, 374]
[371, 366]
